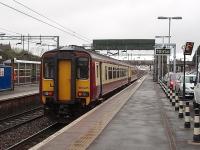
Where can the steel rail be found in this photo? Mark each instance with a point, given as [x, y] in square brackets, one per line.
[21, 121]
[21, 113]
[20, 144]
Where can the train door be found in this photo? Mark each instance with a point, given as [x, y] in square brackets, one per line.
[100, 64]
[64, 80]
[98, 78]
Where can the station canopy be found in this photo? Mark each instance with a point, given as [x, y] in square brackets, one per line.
[123, 44]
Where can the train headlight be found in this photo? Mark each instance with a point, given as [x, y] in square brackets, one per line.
[83, 94]
[48, 93]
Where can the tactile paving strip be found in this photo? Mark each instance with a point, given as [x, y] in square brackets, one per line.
[85, 140]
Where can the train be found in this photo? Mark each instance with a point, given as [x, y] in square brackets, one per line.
[73, 77]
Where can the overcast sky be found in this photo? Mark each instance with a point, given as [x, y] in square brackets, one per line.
[107, 19]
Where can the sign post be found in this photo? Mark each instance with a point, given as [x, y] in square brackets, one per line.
[161, 52]
[187, 51]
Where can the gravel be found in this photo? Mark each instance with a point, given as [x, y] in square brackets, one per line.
[16, 135]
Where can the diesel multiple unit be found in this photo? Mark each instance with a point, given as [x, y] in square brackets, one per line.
[72, 77]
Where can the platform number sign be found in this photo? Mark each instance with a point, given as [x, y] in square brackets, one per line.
[162, 51]
[188, 48]
[1, 72]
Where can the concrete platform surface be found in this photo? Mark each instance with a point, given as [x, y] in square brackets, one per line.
[138, 118]
[21, 90]
[146, 122]
[138, 125]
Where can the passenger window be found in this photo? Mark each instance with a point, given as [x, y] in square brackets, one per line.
[120, 72]
[117, 72]
[114, 73]
[48, 70]
[97, 71]
[106, 76]
[109, 72]
[82, 68]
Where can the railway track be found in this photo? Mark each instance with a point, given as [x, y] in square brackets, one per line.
[37, 137]
[11, 122]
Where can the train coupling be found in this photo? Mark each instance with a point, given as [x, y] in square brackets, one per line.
[64, 111]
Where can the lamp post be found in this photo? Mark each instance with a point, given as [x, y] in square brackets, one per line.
[170, 18]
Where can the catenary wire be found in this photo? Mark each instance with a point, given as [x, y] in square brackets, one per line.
[43, 22]
[49, 19]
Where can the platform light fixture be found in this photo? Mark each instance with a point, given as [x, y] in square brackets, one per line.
[170, 18]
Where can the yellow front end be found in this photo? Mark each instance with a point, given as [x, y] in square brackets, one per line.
[65, 84]
[47, 89]
[83, 90]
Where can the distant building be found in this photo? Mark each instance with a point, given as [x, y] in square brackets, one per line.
[4, 47]
[27, 72]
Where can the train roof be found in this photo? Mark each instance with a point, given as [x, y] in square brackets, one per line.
[93, 54]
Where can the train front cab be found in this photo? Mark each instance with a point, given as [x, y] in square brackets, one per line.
[65, 82]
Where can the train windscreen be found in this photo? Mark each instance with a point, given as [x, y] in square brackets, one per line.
[48, 70]
[82, 68]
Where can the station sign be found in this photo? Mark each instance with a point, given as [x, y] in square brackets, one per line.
[123, 44]
[162, 51]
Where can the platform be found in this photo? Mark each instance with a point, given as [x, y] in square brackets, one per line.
[147, 121]
[20, 91]
[137, 126]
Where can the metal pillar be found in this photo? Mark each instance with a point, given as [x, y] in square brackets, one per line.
[184, 77]
[174, 59]
[57, 42]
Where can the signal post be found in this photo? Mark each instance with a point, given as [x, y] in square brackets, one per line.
[187, 51]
